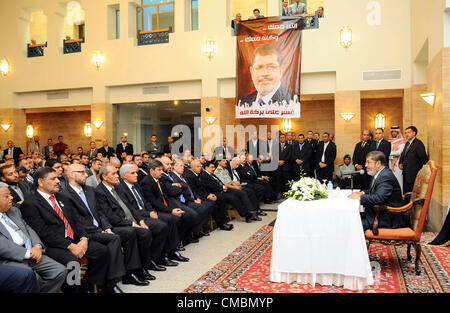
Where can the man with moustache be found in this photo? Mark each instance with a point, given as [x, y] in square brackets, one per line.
[384, 190]
[359, 160]
[380, 144]
[325, 156]
[313, 143]
[266, 75]
[397, 145]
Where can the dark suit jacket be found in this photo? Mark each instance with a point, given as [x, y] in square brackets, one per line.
[169, 190]
[16, 152]
[196, 185]
[284, 155]
[385, 147]
[82, 212]
[111, 208]
[185, 189]
[221, 151]
[210, 184]
[167, 149]
[152, 194]
[119, 149]
[246, 173]
[281, 94]
[130, 201]
[360, 153]
[413, 160]
[26, 189]
[141, 174]
[304, 155]
[385, 191]
[330, 154]
[41, 216]
[110, 153]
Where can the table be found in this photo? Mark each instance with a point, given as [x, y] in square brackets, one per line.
[321, 242]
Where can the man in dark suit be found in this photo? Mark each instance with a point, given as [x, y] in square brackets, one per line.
[21, 246]
[230, 196]
[164, 206]
[191, 221]
[98, 227]
[167, 149]
[284, 171]
[381, 144]
[19, 189]
[106, 151]
[384, 190]
[325, 156]
[313, 143]
[269, 88]
[253, 145]
[131, 194]
[223, 150]
[48, 148]
[412, 158]
[248, 174]
[124, 146]
[301, 157]
[192, 177]
[241, 175]
[13, 151]
[52, 216]
[362, 182]
[142, 169]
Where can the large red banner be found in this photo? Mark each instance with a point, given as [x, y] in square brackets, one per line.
[268, 68]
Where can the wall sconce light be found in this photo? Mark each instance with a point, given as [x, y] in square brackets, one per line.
[98, 59]
[30, 131]
[210, 49]
[428, 97]
[345, 36]
[210, 119]
[380, 121]
[4, 67]
[286, 125]
[88, 130]
[5, 127]
[98, 124]
[347, 116]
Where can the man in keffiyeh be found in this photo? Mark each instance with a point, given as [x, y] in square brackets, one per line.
[397, 144]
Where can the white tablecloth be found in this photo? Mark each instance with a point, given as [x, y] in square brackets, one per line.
[321, 242]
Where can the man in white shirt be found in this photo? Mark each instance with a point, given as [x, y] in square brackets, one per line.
[21, 246]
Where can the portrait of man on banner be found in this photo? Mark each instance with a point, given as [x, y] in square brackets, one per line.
[268, 68]
[266, 75]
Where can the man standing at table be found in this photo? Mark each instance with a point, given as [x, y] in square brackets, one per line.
[384, 190]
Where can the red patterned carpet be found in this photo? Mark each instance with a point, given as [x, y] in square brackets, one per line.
[247, 269]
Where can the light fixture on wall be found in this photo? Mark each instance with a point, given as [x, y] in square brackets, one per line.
[429, 97]
[286, 125]
[345, 38]
[347, 116]
[210, 119]
[380, 121]
[210, 49]
[5, 127]
[88, 130]
[4, 67]
[98, 59]
[98, 123]
[30, 131]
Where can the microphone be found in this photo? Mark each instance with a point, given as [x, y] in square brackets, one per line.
[355, 173]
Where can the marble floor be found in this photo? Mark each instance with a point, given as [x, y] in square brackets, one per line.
[203, 256]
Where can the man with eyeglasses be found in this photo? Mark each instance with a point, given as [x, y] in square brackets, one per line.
[266, 72]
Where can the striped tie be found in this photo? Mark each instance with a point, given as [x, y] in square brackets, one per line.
[61, 215]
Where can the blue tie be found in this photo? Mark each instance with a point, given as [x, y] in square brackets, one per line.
[11, 224]
[182, 199]
[83, 198]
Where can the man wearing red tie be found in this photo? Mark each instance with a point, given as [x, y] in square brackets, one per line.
[51, 215]
[223, 150]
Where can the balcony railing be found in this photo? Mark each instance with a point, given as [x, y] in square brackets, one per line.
[154, 37]
[72, 46]
[310, 21]
[36, 50]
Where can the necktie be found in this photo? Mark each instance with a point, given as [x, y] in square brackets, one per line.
[164, 199]
[10, 151]
[138, 198]
[282, 146]
[182, 199]
[407, 146]
[301, 147]
[251, 166]
[323, 154]
[217, 179]
[61, 215]
[235, 175]
[18, 191]
[125, 209]
[378, 143]
[261, 102]
[83, 198]
[189, 188]
[11, 224]
[363, 144]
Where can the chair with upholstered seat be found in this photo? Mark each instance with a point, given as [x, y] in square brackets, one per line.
[419, 202]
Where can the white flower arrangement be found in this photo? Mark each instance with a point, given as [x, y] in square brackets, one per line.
[307, 189]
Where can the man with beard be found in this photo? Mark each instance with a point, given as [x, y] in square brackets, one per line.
[397, 145]
[266, 72]
[384, 190]
[19, 189]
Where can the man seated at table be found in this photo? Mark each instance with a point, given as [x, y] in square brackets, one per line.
[384, 190]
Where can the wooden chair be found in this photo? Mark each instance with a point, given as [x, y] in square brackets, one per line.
[419, 202]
